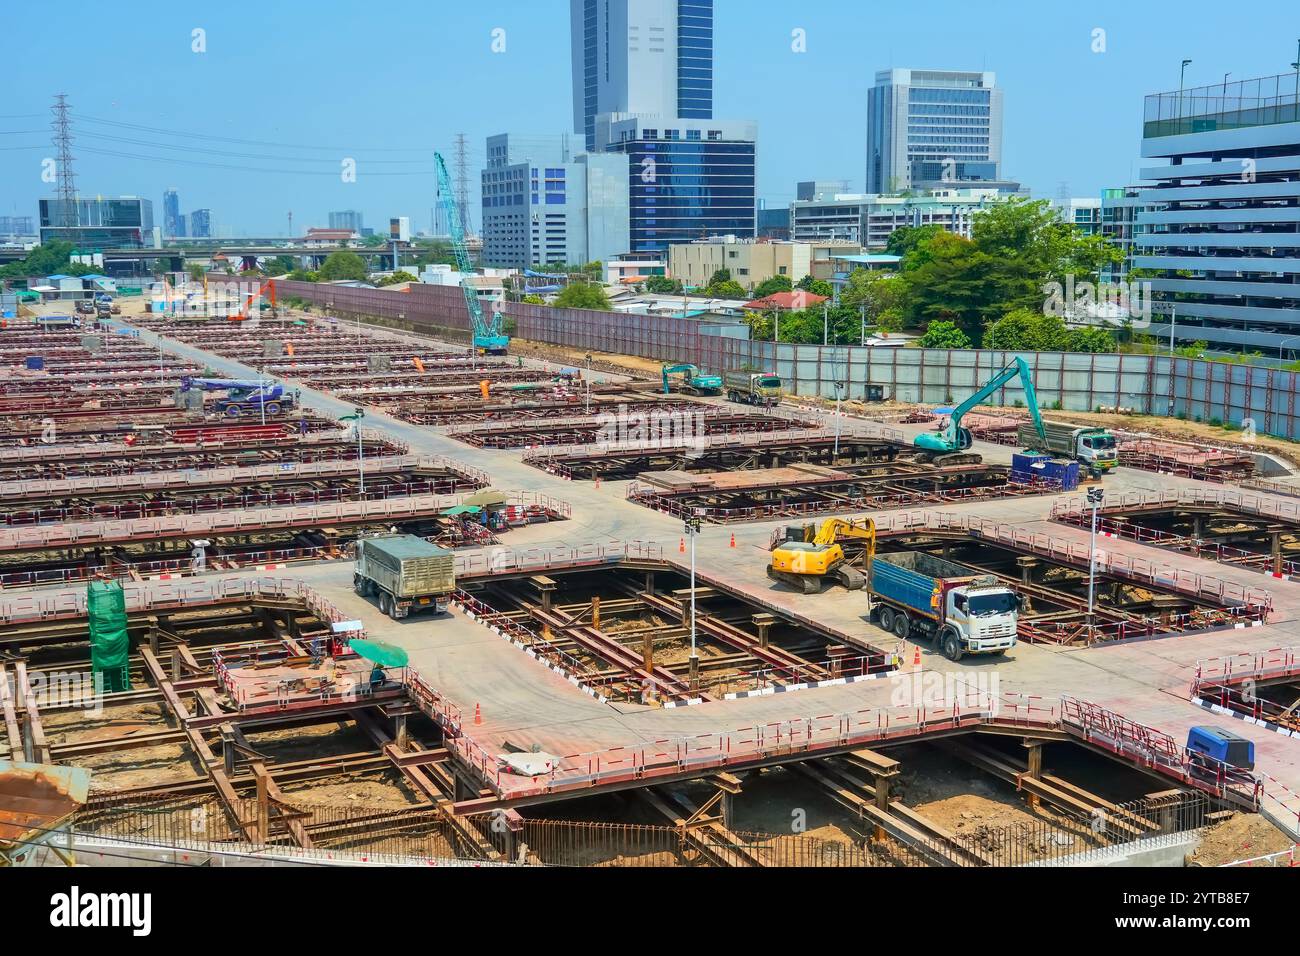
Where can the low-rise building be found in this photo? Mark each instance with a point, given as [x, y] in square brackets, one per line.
[869, 219]
[752, 262]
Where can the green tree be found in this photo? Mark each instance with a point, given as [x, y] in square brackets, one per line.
[815, 286]
[279, 265]
[375, 240]
[772, 286]
[396, 278]
[951, 283]
[719, 277]
[1092, 339]
[903, 240]
[583, 295]
[944, 335]
[343, 265]
[304, 275]
[196, 271]
[1023, 330]
[731, 289]
[533, 299]
[662, 285]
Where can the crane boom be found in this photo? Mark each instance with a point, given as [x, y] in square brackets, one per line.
[488, 337]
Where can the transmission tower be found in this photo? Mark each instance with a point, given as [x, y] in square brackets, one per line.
[462, 183]
[67, 180]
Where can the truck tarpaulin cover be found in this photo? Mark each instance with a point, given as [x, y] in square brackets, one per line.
[109, 644]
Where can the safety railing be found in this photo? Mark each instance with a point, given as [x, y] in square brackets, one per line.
[691, 754]
[685, 504]
[216, 523]
[1078, 553]
[159, 595]
[227, 477]
[511, 561]
[1155, 750]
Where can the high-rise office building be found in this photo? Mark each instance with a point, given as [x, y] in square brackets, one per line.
[172, 214]
[16, 227]
[125, 222]
[931, 129]
[346, 219]
[644, 57]
[643, 87]
[687, 179]
[201, 224]
[543, 205]
[1220, 223]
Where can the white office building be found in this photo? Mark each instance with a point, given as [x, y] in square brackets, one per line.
[1220, 222]
[542, 204]
[869, 220]
[934, 129]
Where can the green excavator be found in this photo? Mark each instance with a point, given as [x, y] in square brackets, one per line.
[950, 445]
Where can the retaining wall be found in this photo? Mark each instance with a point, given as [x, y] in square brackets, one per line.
[1152, 384]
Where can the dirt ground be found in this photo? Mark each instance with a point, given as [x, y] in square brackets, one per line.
[1242, 836]
[603, 361]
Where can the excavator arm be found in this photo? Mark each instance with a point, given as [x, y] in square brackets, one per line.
[833, 529]
[955, 438]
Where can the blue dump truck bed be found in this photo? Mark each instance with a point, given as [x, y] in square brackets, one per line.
[911, 578]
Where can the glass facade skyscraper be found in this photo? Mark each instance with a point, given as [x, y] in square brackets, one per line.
[687, 179]
[695, 59]
[641, 57]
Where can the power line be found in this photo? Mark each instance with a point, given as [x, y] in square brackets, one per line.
[242, 167]
[254, 142]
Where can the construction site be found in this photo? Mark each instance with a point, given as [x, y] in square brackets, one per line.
[659, 620]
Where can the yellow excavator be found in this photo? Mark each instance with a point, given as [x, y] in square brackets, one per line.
[806, 557]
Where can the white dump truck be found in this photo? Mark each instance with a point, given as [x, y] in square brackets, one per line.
[404, 574]
[921, 595]
[1093, 448]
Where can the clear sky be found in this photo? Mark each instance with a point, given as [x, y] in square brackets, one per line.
[305, 85]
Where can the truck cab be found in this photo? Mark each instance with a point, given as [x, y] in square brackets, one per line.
[985, 617]
[1097, 450]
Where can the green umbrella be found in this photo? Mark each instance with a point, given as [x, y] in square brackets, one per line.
[385, 655]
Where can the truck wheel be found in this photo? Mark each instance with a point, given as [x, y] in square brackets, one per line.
[359, 584]
[233, 411]
[887, 618]
[384, 606]
[273, 408]
[902, 626]
[952, 647]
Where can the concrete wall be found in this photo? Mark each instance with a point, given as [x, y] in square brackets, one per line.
[1152, 384]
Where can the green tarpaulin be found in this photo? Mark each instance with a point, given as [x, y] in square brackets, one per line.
[109, 644]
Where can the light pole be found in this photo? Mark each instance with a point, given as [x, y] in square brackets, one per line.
[587, 405]
[1094, 498]
[1296, 66]
[1289, 338]
[692, 529]
[355, 418]
[1182, 71]
[839, 396]
[261, 390]
[826, 324]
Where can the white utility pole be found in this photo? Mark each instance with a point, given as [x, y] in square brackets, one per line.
[1094, 499]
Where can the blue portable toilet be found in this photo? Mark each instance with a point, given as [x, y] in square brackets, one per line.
[35, 362]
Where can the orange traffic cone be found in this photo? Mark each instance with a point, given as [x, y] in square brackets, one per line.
[733, 539]
[598, 482]
[478, 714]
[916, 658]
[681, 546]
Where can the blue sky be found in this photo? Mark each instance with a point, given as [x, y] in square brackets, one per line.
[385, 83]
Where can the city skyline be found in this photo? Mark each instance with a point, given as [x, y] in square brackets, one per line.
[265, 161]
